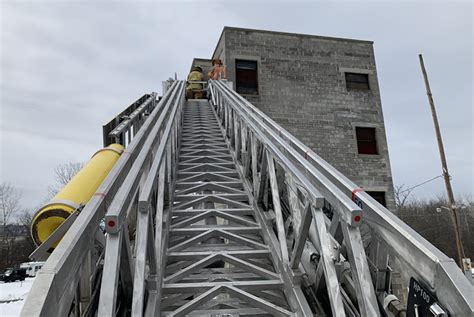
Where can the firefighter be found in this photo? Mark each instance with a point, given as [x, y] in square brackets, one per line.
[218, 70]
[194, 90]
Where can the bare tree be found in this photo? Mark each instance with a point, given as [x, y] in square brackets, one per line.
[9, 210]
[25, 216]
[9, 202]
[402, 193]
[432, 219]
[63, 174]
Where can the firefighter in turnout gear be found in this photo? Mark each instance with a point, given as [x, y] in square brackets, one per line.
[194, 90]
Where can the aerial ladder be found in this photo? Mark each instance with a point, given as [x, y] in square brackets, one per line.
[213, 209]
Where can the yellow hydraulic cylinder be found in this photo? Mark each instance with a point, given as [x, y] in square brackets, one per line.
[79, 190]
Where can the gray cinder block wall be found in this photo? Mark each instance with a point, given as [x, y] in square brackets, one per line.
[301, 85]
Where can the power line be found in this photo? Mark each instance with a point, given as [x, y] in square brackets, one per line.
[431, 179]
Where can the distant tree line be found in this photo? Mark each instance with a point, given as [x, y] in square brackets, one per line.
[432, 219]
[16, 243]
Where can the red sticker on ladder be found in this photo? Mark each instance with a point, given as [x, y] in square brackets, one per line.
[354, 197]
[355, 191]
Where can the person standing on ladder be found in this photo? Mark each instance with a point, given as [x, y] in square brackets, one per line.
[218, 70]
[194, 90]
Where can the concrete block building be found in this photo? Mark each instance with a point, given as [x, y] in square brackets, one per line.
[323, 90]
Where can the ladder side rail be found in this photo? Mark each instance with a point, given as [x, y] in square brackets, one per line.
[330, 272]
[153, 187]
[117, 213]
[421, 258]
[131, 122]
[118, 119]
[346, 208]
[55, 285]
[162, 231]
[357, 257]
[342, 182]
[293, 292]
[367, 300]
[121, 217]
[162, 209]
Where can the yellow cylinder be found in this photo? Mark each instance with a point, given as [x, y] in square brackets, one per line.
[78, 191]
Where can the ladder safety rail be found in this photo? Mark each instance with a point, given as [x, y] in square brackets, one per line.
[120, 206]
[391, 238]
[126, 124]
[122, 214]
[74, 265]
[133, 122]
[347, 209]
[154, 197]
[236, 122]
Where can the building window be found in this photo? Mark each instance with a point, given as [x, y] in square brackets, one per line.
[379, 197]
[355, 81]
[366, 140]
[246, 79]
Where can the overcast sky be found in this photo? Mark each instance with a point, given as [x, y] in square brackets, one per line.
[68, 67]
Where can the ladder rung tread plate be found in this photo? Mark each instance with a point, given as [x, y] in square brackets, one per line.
[215, 242]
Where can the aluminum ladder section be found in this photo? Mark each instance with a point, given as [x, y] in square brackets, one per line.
[96, 270]
[220, 259]
[335, 235]
[301, 223]
[112, 259]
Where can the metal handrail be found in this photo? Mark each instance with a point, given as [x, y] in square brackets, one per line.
[126, 124]
[136, 117]
[75, 262]
[138, 191]
[237, 125]
[421, 259]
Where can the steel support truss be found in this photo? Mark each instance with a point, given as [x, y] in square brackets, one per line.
[277, 180]
[81, 274]
[340, 257]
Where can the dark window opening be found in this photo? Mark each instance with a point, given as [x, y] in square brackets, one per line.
[379, 197]
[246, 79]
[366, 141]
[356, 81]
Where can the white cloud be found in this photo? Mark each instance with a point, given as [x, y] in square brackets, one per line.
[67, 68]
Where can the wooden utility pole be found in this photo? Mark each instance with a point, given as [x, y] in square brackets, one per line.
[444, 164]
